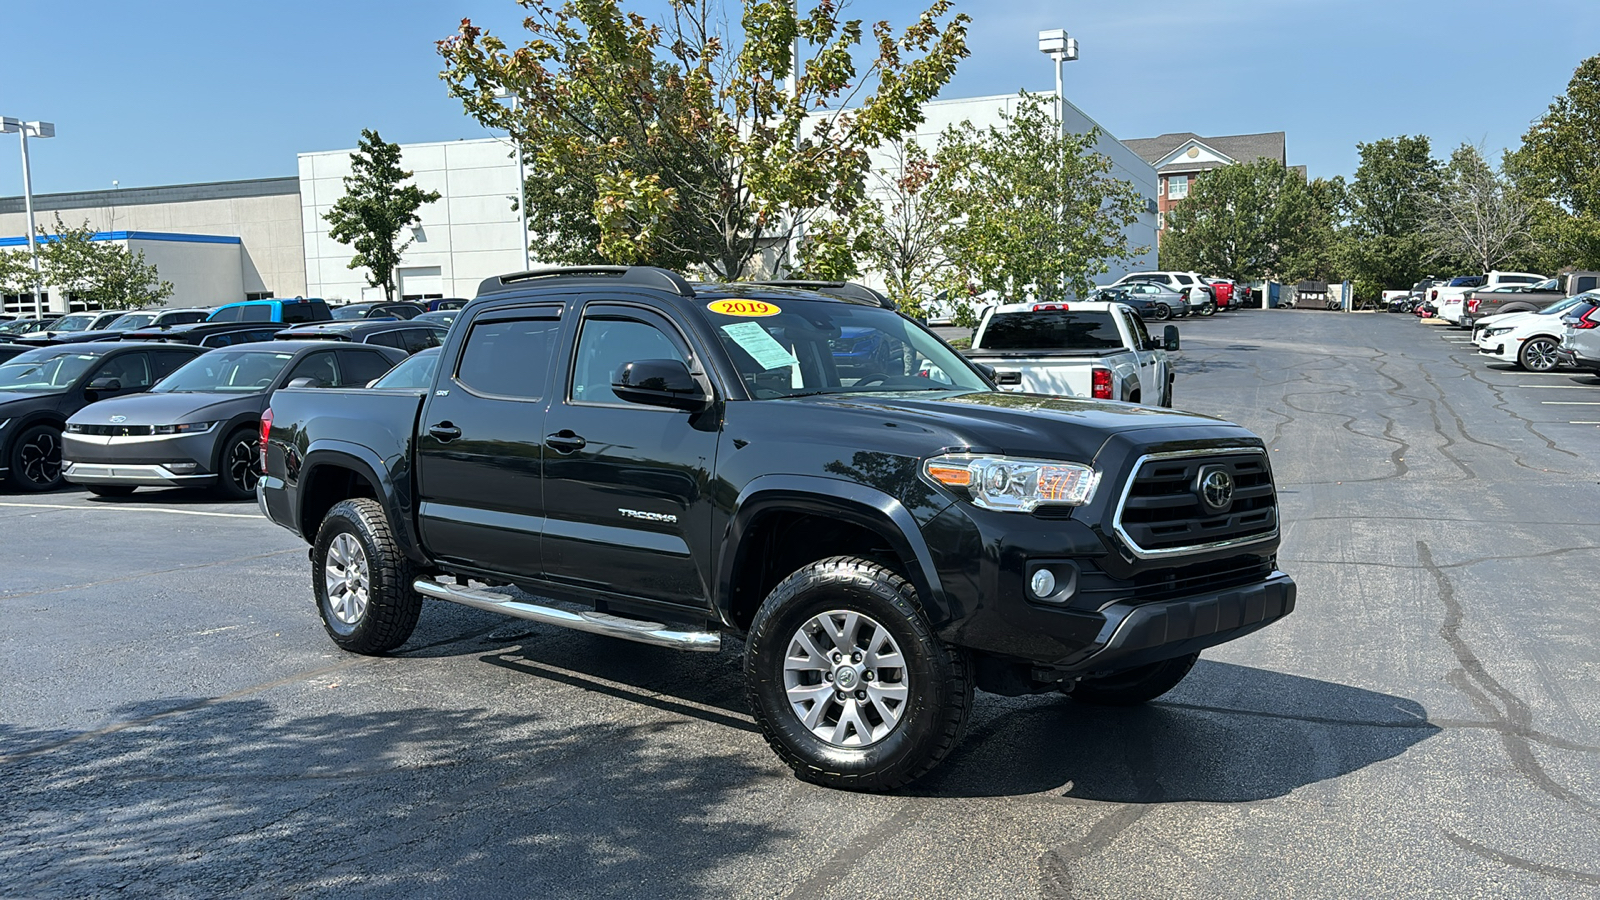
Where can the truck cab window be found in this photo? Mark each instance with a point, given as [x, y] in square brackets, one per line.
[509, 358]
[608, 344]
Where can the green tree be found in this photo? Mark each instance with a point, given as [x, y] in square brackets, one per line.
[69, 258]
[1387, 203]
[377, 204]
[1247, 221]
[1038, 212]
[906, 241]
[123, 280]
[678, 142]
[16, 272]
[1478, 215]
[1558, 164]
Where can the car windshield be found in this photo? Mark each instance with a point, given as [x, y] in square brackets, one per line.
[44, 371]
[799, 347]
[74, 323]
[414, 372]
[131, 321]
[354, 311]
[226, 371]
[1052, 330]
[21, 326]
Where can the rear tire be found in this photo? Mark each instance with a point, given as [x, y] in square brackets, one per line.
[1135, 686]
[1163, 312]
[362, 580]
[1208, 308]
[854, 623]
[110, 490]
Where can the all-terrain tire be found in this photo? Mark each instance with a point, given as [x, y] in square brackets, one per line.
[1134, 686]
[938, 677]
[389, 612]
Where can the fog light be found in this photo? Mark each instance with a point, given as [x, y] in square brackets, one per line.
[183, 466]
[1043, 583]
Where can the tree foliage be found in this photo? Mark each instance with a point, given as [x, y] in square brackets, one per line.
[1038, 213]
[1251, 221]
[1558, 165]
[907, 234]
[16, 272]
[1477, 216]
[377, 204]
[678, 143]
[101, 273]
[1387, 203]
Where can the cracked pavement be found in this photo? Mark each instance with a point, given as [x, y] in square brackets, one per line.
[173, 721]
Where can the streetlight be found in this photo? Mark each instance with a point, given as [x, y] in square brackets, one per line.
[501, 93]
[1055, 44]
[38, 130]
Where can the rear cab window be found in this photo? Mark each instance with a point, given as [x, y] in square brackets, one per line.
[508, 354]
[1052, 330]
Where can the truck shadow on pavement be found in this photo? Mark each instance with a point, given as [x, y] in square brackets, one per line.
[1227, 734]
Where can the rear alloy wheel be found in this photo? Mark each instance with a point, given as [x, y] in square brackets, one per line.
[848, 681]
[1163, 312]
[362, 579]
[239, 466]
[1538, 355]
[1208, 308]
[36, 459]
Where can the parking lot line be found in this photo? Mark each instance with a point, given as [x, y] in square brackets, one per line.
[1570, 402]
[1583, 423]
[153, 509]
[1560, 387]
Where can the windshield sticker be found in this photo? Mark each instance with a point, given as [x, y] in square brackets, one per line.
[744, 307]
[768, 353]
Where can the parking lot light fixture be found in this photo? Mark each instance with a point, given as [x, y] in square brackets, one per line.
[24, 130]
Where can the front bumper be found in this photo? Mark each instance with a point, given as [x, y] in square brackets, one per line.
[155, 460]
[150, 474]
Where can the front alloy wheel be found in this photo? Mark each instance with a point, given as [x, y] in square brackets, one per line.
[36, 459]
[1538, 355]
[846, 679]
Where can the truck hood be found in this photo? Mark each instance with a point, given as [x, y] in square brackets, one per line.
[168, 408]
[1022, 424]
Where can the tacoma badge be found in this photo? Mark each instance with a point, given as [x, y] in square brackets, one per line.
[649, 516]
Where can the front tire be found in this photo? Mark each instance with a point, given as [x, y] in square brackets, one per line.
[238, 464]
[36, 459]
[362, 580]
[1135, 686]
[1538, 355]
[848, 681]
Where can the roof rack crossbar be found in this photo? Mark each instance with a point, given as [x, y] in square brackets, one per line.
[651, 276]
[844, 289]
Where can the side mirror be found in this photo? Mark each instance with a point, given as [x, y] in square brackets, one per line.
[988, 371]
[304, 381]
[103, 385]
[1169, 337]
[659, 382]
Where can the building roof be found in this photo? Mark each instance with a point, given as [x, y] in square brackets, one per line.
[1236, 147]
[171, 193]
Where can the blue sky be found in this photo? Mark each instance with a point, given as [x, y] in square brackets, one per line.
[177, 91]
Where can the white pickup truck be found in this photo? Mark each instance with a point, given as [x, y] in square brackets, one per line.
[1091, 350]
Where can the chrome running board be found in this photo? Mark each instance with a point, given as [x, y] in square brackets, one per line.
[592, 622]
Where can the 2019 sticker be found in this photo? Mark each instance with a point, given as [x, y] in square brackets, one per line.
[743, 307]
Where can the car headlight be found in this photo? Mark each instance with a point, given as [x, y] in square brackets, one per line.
[192, 428]
[1016, 485]
[1494, 332]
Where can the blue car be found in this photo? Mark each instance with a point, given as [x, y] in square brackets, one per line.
[861, 350]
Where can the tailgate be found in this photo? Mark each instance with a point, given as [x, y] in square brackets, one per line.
[1061, 379]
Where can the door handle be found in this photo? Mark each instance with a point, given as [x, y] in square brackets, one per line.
[444, 432]
[564, 441]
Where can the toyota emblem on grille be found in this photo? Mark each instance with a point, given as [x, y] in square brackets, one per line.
[1216, 488]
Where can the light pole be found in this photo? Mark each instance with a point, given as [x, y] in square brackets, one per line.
[1055, 44]
[522, 181]
[38, 130]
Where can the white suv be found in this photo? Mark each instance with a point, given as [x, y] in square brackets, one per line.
[1195, 289]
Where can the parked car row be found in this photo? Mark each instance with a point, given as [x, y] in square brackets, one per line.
[175, 406]
[1562, 333]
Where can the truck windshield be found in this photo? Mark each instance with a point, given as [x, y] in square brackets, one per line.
[1051, 330]
[798, 347]
[48, 373]
[230, 371]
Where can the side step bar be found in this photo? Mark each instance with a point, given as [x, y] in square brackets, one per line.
[592, 622]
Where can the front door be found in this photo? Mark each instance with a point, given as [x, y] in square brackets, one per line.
[480, 443]
[1152, 363]
[625, 484]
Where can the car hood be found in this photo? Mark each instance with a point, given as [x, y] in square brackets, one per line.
[11, 400]
[1023, 424]
[168, 408]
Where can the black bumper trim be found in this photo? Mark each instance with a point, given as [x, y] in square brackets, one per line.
[1135, 635]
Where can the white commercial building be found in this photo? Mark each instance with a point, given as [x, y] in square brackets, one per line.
[471, 232]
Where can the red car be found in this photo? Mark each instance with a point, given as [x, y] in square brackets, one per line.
[1223, 291]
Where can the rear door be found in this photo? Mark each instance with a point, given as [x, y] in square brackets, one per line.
[625, 484]
[480, 443]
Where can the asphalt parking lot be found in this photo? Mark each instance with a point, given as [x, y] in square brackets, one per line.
[173, 720]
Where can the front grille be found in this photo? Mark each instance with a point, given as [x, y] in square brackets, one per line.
[112, 430]
[1099, 589]
[1162, 511]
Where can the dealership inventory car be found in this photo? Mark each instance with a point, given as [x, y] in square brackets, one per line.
[76, 322]
[396, 310]
[117, 328]
[1529, 339]
[1148, 299]
[40, 389]
[210, 335]
[199, 427]
[407, 336]
[290, 310]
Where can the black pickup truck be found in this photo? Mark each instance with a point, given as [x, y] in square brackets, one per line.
[619, 451]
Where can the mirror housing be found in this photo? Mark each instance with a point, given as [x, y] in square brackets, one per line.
[988, 371]
[304, 381]
[659, 382]
[103, 385]
[1169, 337]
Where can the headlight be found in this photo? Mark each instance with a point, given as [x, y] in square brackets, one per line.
[1492, 332]
[192, 428]
[1018, 485]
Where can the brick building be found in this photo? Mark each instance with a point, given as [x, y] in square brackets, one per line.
[1182, 157]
